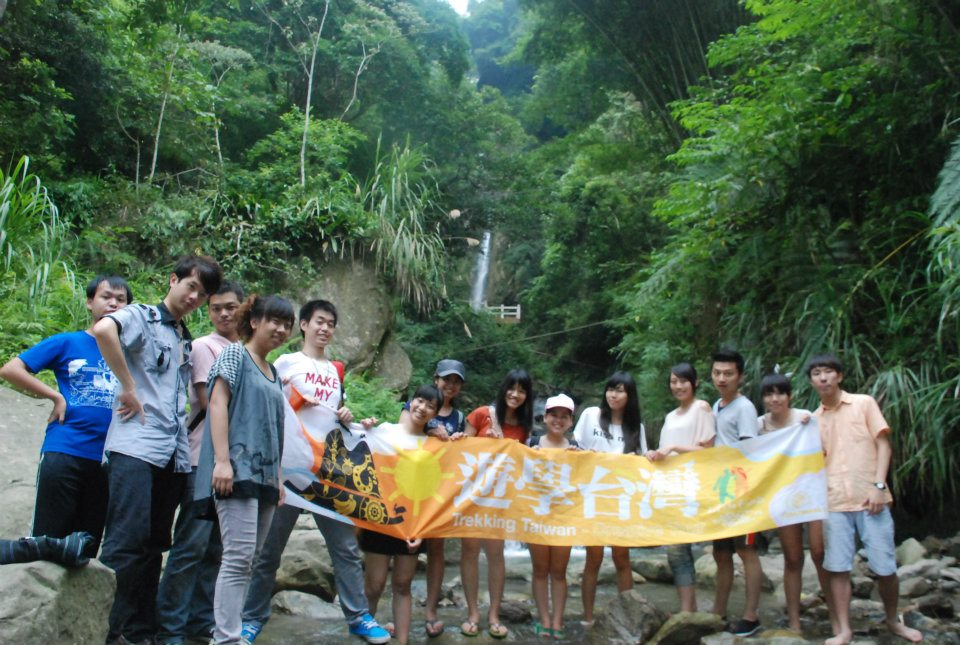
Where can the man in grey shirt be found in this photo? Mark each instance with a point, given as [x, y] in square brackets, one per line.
[147, 453]
[736, 420]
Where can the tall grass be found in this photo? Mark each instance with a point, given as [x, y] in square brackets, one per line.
[408, 247]
[39, 290]
[32, 235]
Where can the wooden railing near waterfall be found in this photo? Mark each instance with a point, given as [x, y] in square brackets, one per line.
[505, 313]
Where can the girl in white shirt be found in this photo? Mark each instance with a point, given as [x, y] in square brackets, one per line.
[688, 428]
[614, 426]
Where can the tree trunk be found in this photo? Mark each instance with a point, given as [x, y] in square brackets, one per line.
[306, 111]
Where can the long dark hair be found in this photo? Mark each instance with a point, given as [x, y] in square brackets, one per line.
[632, 422]
[525, 411]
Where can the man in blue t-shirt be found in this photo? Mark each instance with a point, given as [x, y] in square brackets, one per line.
[71, 484]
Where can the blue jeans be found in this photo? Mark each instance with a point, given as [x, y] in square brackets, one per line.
[185, 598]
[680, 559]
[143, 500]
[344, 553]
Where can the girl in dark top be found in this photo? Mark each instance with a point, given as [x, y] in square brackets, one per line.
[241, 450]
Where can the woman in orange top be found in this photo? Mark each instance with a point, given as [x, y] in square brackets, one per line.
[511, 417]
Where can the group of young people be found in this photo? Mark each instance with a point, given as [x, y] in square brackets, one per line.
[121, 455]
[857, 450]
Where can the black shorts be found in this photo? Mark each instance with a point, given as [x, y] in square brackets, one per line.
[373, 542]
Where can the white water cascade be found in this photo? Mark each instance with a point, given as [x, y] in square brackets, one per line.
[478, 288]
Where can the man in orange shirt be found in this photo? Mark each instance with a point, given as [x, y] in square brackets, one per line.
[857, 450]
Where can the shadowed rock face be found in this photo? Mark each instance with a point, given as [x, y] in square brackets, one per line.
[365, 316]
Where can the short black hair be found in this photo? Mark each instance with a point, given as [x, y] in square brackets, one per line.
[313, 306]
[824, 360]
[208, 271]
[775, 384]
[727, 355]
[231, 286]
[687, 372]
[115, 282]
[429, 392]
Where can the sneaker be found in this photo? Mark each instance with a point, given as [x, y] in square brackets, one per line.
[745, 627]
[249, 633]
[369, 630]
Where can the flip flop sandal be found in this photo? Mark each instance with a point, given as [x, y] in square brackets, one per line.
[469, 628]
[434, 627]
[541, 631]
[498, 631]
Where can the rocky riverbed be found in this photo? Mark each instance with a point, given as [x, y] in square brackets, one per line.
[43, 603]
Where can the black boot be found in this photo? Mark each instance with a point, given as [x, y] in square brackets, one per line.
[68, 551]
[22, 550]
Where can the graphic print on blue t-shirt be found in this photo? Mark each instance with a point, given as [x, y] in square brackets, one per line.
[92, 385]
[87, 384]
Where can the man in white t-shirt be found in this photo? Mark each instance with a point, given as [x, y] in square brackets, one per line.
[736, 419]
[185, 596]
[319, 382]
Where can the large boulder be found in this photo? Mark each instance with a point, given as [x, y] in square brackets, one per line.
[22, 427]
[42, 602]
[306, 566]
[628, 618]
[392, 365]
[363, 308]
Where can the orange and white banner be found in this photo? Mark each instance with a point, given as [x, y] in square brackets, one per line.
[488, 488]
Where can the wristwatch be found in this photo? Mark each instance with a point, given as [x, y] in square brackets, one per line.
[880, 485]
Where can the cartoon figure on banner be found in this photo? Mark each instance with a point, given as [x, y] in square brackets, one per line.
[348, 483]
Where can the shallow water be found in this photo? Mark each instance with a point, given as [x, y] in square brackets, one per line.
[296, 629]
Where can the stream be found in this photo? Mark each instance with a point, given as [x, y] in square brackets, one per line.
[284, 628]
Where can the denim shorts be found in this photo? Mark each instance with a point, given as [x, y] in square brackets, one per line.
[840, 531]
[680, 559]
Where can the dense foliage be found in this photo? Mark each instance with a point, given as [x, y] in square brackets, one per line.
[662, 177]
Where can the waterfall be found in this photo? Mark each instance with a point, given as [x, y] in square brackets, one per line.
[478, 288]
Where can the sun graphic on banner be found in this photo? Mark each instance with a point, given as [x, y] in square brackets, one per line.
[418, 475]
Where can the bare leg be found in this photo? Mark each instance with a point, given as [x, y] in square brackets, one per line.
[470, 575]
[496, 576]
[817, 550]
[435, 564]
[540, 555]
[559, 558]
[889, 587]
[840, 593]
[588, 586]
[753, 577]
[375, 569]
[404, 568]
[791, 539]
[621, 560]
[724, 560]
[688, 598]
